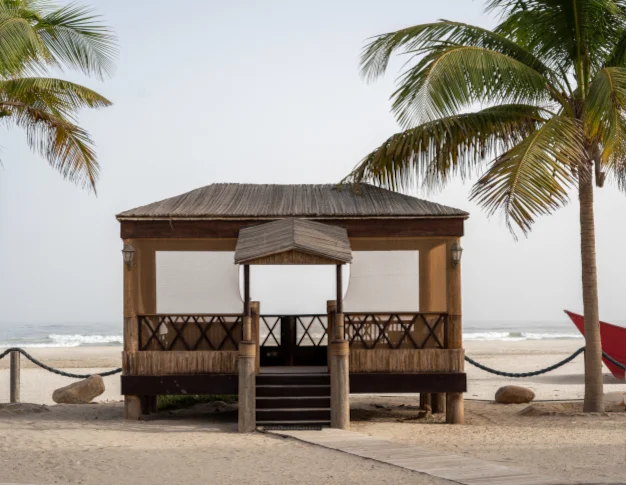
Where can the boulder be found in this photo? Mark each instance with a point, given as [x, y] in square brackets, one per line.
[81, 392]
[514, 395]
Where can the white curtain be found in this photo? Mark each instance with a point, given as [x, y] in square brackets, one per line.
[383, 281]
[197, 282]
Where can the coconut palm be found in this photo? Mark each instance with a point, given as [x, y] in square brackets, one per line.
[35, 38]
[550, 81]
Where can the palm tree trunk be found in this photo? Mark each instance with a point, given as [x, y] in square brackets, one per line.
[594, 396]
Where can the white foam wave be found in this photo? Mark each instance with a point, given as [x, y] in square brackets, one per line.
[76, 340]
[517, 336]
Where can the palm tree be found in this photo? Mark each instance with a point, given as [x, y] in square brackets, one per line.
[35, 38]
[550, 80]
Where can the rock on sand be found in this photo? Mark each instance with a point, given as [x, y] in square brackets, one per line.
[81, 392]
[514, 395]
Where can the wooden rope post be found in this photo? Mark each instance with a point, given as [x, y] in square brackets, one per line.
[15, 377]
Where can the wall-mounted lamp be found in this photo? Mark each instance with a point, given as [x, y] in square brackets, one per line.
[129, 255]
[456, 251]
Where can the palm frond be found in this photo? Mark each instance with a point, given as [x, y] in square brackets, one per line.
[20, 45]
[532, 178]
[568, 35]
[77, 38]
[59, 97]
[432, 153]
[67, 147]
[449, 79]
[376, 54]
[603, 110]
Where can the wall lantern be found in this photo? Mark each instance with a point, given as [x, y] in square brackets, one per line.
[456, 251]
[129, 255]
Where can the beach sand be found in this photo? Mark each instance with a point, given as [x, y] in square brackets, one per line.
[92, 444]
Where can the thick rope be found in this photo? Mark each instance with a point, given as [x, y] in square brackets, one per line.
[542, 371]
[468, 359]
[52, 369]
[526, 374]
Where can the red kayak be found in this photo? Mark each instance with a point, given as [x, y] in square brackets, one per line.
[613, 342]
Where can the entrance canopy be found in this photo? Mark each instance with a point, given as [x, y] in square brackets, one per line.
[293, 241]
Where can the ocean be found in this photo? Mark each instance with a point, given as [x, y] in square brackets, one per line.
[110, 334]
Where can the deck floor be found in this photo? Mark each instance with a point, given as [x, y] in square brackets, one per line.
[457, 468]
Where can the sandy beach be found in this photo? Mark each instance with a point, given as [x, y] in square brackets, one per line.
[91, 443]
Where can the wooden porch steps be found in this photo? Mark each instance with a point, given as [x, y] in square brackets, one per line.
[284, 399]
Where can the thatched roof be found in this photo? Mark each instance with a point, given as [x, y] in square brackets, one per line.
[286, 235]
[243, 201]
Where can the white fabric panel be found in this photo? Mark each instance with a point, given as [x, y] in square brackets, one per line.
[383, 281]
[197, 282]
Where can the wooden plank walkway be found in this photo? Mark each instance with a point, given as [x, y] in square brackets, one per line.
[456, 468]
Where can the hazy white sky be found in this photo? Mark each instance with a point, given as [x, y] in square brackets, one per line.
[267, 92]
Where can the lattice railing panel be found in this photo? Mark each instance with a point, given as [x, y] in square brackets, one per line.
[311, 330]
[396, 330]
[269, 330]
[166, 332]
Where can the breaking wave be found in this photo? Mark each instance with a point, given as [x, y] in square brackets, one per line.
[516, 336]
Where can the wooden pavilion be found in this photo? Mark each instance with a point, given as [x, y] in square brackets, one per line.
[283, 370]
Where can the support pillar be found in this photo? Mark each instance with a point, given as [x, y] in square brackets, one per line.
[339, 385]
[255, 309]
[15, 377]
[132, 407]
[432, 268]
[454, 403]
[331, 310]
[247, 387]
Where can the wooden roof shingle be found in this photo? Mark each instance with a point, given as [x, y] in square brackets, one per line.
[303, 236]
[245, 201]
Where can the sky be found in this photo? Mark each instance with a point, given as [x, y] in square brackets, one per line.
[258, 92]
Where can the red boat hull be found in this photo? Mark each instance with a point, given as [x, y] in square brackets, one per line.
[613, 342]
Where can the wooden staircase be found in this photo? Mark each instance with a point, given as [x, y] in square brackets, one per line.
[285, 399]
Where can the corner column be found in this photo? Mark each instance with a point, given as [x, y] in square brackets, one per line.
[247, 365]
[432, 298]
[339, 353]
[455, 411]
[132, 404]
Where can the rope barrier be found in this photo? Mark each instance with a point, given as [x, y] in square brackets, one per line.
[468, 359]
[52, 369]
[541, 371]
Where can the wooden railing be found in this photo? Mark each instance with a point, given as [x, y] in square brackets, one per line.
[396, 330]
[167, 332]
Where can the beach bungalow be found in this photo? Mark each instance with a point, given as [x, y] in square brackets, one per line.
[192, 325]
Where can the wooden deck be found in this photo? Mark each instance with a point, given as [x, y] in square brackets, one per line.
[459, 469]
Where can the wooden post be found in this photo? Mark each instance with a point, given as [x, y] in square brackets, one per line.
[15, 377]
[339, 370]
[331, 309]
[247, 364]
[132, 407]
[247, 387]
[432, 290]
[255, 308]
[340, 385]
[454, 400]
[132, 404]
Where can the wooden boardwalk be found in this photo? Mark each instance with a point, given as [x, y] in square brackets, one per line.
[457, 468]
